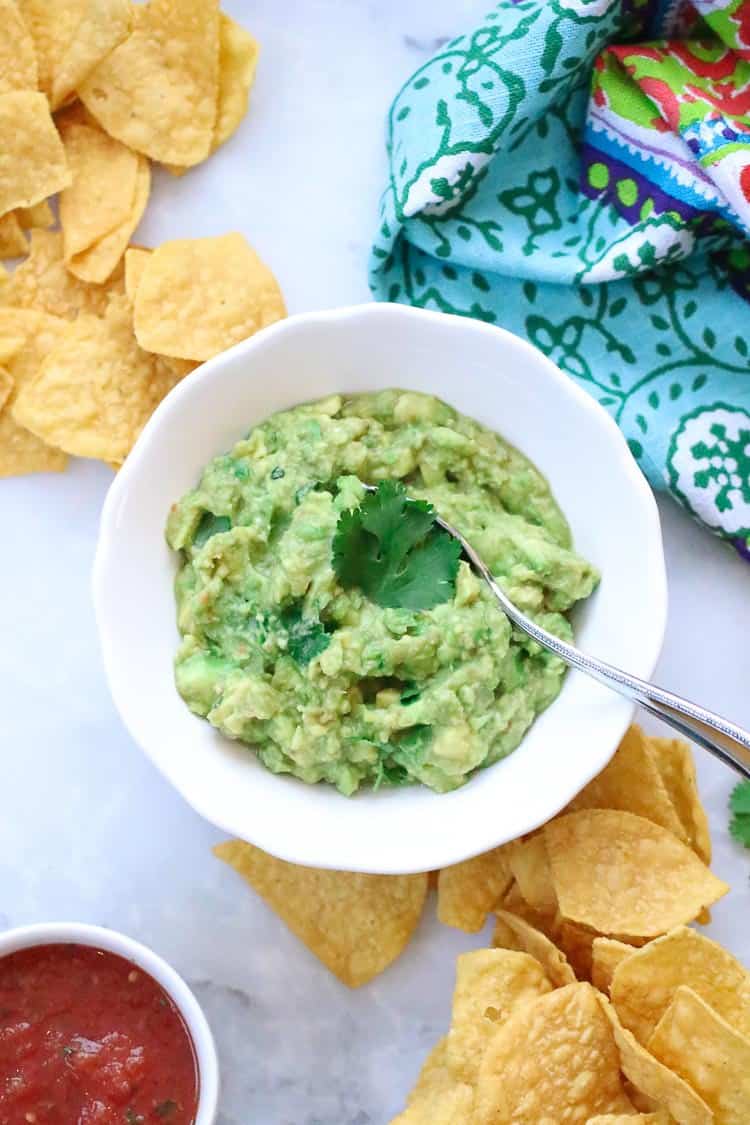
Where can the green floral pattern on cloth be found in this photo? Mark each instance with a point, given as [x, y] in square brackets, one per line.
[578, 171]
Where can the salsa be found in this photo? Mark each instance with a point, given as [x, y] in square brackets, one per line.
[88, 1038]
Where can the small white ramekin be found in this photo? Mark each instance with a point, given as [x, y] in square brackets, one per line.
[79, 933]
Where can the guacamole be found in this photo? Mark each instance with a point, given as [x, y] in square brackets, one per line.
[320, 681]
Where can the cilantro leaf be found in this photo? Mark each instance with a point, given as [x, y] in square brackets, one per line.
[306, 637]
[391, 549]
[739, 803]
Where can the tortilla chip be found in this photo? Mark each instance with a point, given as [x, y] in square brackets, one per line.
[6, 386]
[102, 26]
[18, 67]
[22, 453]
[713, 1058]
[530, 866]
[135, 263]
[238, 58]
[51, 24]
[606, 955]
[355, 924]
[512, 932]
[674, 760]
[43, 282]
[469, 891]
[490, 985]
[99, 261]
[447, 1106]
[32, 158]
[660, 1085]
[657, 1118]
[40, 215]
[643, 985]
[197, 297]
[102, 192]
[624, 876]
[632, 781]
[13, 242]
[434, 1073]
[554, 1055]
[96, 389]
[157, 91]
[25, 338]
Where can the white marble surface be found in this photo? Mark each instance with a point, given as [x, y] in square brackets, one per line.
[88, 830]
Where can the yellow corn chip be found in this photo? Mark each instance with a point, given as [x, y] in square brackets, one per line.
[355, 924]
[447, 1106]
[238, 58]
[713, 1058]
[512, 932]
[469, 891]
[625, 876]
[18, 68]
[530, 866]
[43, 282]
[71, 37]
[32, 159]
[577, 944]
[135, 262]
[490, 985]
[103, 24]
[674, 760]
[644, 984]
[632, 782]
[657, 1118]
[13, 242]
[26, 336]
[606, 955]
[651, 1078]
[40, 215]
[157, 91]
[29, 335]
[434, 1074]
[51, 24]
[22, 453]
[98, 261]
[197, 297]
[554, 1059]
[6, 386]
[95, 390]
[102, 191]
[10, 345]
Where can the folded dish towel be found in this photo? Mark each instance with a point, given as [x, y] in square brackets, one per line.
[578, 171]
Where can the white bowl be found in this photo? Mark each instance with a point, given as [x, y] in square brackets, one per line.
[486, 373]
[79, 933]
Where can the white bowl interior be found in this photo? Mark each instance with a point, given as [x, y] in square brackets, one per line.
[80, 933]
[486, 373]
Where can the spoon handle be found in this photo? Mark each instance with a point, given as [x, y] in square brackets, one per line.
[727, 741]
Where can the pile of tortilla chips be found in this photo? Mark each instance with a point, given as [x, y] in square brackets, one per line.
[598, 1004]
[93, 332]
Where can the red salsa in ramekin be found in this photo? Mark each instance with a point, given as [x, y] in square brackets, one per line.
[88, 1038]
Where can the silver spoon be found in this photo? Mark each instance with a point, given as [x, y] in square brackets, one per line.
[727, 741]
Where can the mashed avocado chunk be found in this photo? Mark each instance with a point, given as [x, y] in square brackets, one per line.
[324, 683]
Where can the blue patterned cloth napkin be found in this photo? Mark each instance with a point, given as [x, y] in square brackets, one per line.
[578, 171]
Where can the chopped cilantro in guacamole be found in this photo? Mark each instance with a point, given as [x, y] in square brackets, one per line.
[339, 635]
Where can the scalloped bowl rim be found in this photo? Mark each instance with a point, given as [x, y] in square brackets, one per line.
[375, 837]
